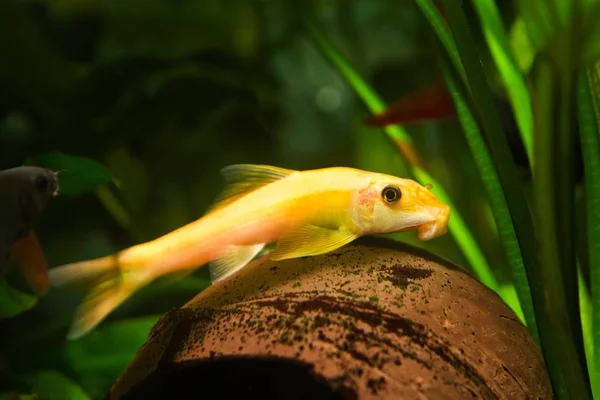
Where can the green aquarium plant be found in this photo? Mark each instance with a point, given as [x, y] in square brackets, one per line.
[140, 103]
[553, 87]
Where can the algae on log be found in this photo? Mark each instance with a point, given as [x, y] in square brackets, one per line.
[376, 319]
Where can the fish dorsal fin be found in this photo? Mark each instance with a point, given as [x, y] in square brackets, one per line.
[311, 240]
[243, 178]
[232, 259]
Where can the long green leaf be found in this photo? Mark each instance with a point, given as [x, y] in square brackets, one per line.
[570, 353]
[590, 145]
[457, 226]
[587, 311]
[442, 32]
[500, 153]
[558, 342]
[497, 200]
[498, 42]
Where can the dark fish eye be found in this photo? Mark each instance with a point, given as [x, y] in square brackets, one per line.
[42, 184]
[391, 194]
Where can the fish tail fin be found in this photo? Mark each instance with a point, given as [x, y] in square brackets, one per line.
[108, 286]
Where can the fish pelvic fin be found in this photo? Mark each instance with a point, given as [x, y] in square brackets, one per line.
[232, 259]
[108, 286]
[32, 262]
[310, 240]
[244, 178]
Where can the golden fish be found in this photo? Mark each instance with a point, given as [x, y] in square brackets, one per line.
[304, 212]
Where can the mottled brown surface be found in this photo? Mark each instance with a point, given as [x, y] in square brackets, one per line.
[376, 319]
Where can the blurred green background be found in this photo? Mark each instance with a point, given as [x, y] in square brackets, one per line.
[165, 93]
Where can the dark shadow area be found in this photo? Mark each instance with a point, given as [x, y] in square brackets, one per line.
[248, 378]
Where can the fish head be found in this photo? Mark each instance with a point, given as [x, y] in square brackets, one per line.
[34, 187]
[393, 205]
[42, 183]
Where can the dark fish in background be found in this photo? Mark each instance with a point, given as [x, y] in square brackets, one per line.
[24, 193]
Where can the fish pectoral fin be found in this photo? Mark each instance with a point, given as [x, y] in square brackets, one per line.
[232, 259]
[311, 240]
[32, 262]
[243, 178]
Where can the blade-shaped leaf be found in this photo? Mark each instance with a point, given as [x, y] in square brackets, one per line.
[497, 200]
[590, 144]
[587, 311]
[498, 42]
[571, 351]
[559, 342]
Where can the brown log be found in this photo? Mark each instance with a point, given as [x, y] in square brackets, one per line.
[376, 319]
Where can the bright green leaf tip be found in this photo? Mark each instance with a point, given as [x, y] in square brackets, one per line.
[14, 301]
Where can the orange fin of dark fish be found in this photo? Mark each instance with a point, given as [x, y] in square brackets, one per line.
[431, 103]
[233, 259]
[243, 178]
[31, 260]
[310, 240]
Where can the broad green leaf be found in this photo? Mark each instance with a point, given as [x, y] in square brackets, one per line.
[13, 301]
[457, 227]
[499, 45]
[79, 174]
[52, 385]
[589, 117]
[98, 358]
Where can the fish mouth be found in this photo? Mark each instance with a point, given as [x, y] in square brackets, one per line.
[55, 185]
[436, 227]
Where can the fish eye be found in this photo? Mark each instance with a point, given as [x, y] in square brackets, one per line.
[391, 194]
[42, 184]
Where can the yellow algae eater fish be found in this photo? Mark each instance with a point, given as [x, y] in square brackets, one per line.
[304, 212]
